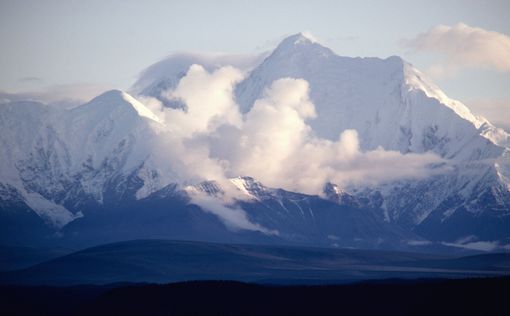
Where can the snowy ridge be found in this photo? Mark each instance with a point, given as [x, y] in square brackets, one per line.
[251, 188]
[416, 80]
[139, 107]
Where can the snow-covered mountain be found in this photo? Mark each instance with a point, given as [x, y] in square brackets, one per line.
[392, 105]
[62, 162]
[92, 170]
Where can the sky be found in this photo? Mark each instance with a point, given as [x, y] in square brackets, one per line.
[76, 46]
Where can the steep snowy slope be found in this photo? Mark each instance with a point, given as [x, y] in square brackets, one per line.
[64, 160]
[387, 101]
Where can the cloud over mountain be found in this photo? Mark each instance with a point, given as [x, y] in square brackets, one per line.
[463, 46]
[273, 142]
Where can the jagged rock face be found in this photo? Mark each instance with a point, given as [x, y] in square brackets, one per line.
[70, 167]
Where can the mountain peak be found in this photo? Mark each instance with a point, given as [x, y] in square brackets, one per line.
[116, 99]
[302, 42]
[301, 38]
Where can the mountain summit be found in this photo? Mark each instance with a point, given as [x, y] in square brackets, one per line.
[302, 44]
[117, 100]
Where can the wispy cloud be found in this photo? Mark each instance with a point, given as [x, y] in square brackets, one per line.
[476, 245]
[419, 242]
[31, 79]
[176, 65]
[472, 243]
[66, 96]
[463, 46]
[233, 217]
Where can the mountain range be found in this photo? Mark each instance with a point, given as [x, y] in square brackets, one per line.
[104, 171]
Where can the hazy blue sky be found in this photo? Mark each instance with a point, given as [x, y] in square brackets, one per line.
[48, 43]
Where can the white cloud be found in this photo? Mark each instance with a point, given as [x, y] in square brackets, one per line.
[273, 142]
[232, 216]
[209, 101]
[276, 146]
[462, 46]
[208, 139]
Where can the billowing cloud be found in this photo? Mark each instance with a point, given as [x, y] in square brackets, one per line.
[206, 138]
[276, 146]
[208, 98]
[463, 46]
[209, 140]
